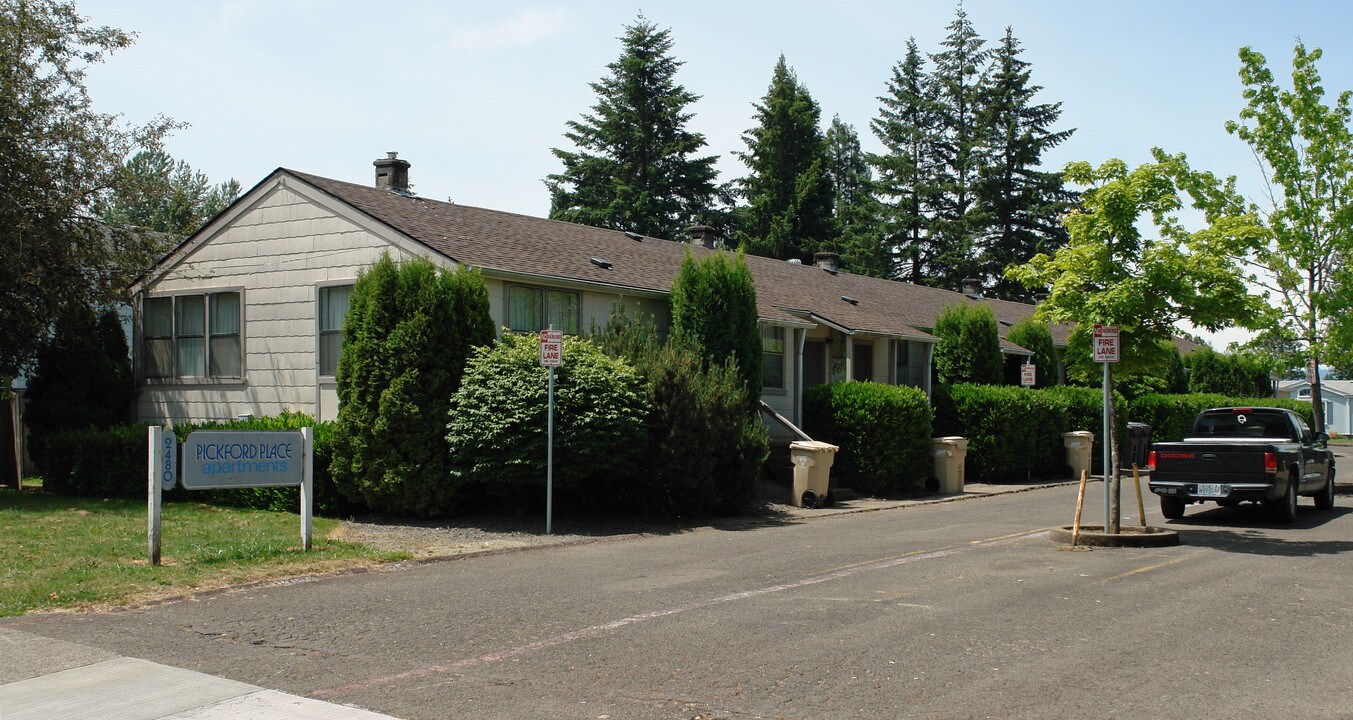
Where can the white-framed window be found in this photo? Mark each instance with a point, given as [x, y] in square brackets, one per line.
[532, 309]
[333, 308]
[773, 358]
[193, 336]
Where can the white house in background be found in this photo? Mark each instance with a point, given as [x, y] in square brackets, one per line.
[1336, 396]
[245, 316]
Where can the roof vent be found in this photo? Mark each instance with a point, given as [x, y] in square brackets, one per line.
[794, 261]
[392, 173]
[603, 264]
[634, 236]
[850, 300]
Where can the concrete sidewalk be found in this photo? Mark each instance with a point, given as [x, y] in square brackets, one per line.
[68, 681]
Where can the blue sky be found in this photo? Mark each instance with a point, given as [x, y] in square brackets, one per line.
[475, 94]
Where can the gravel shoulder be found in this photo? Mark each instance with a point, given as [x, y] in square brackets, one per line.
[484, 532]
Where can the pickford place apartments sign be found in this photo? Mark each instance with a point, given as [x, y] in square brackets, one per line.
[215, 459]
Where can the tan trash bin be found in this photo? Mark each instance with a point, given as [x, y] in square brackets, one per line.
[812, 471]
[950, 454]
[1079, 446]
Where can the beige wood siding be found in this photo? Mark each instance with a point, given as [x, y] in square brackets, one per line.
[276, 252]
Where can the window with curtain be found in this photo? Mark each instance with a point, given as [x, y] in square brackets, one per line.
[158, 337]
[531, 309]
[190, 330]
[225, 350]
[193, 336]
[773, 358]
[333, 307]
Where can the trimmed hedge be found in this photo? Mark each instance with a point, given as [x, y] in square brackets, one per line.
[327, 501]
[112, 463]
[1015, 433]
[1171, 416]
[108, 463]
[883, 432]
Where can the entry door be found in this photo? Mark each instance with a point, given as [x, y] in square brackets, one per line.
[814, 363]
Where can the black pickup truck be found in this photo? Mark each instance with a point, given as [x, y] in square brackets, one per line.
[1266, 455]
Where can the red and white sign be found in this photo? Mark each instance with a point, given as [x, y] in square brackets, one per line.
[551, 348]
[1106, 343]
[1026, 375]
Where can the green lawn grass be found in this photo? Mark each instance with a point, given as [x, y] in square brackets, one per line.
[60, 552]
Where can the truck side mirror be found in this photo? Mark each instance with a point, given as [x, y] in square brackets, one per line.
[1322, 438]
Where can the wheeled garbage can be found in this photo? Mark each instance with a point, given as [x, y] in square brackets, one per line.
[1079, 445]
[949, 453]
[812, 471]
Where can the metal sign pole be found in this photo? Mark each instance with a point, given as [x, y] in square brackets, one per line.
[1108, 505]
[549, 462]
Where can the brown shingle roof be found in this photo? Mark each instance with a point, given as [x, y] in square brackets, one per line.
[513, 243]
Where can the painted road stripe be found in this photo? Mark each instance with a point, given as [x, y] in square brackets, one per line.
[644, 617]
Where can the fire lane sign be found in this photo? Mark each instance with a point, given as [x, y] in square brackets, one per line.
[1106, 343]
[551, 348]
[1027, 375]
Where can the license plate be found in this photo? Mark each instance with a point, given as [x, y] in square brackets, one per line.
[1212, 490]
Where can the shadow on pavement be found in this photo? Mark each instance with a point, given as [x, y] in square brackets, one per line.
[1246, 529]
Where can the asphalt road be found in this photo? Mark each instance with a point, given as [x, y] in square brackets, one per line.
[956, 610]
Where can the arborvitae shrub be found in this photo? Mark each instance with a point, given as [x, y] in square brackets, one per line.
[714, 303]
[691, 404]
[1031, 334]
[83, 380]
[408, 333]
[883, 432]
[969, 350]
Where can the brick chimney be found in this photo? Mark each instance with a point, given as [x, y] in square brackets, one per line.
[703, 236]
[829, 261]
[392, 173]
[972, 287]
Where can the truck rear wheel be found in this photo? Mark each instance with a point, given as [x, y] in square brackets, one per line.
[1171, 507]
[1325, 499]
[1286, 510]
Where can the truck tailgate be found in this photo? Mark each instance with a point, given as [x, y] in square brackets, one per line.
[1214, 462]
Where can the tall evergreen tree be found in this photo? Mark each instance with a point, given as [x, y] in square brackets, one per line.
[165, 196]
[788, 193]
[636, 167]
[857, 211]
[959, 78]
[907, 127]
[1021, 204]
